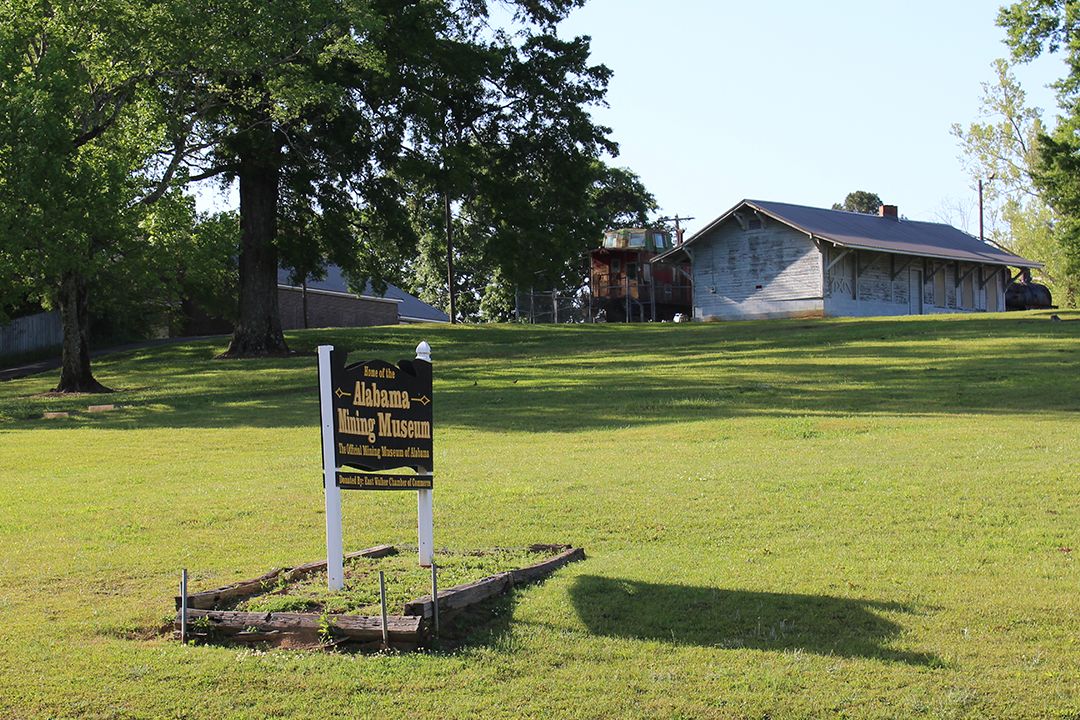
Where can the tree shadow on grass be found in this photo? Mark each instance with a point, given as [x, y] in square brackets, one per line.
[715, 617]
[573, 379]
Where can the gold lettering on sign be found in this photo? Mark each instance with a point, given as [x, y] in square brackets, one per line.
[352, 425]
[385, 482]
[350, 449]
[371, 396]
[406, 429]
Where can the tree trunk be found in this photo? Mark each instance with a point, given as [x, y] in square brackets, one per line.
[75, 375]
[258, 329]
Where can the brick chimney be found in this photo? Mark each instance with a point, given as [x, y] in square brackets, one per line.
[889, 211]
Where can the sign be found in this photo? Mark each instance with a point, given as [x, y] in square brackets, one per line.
[375, 417]
[382, 417]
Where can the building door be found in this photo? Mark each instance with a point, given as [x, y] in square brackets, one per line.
[915, 292]
[993, 301]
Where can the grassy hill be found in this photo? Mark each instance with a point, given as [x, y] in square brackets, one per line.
[869, 518]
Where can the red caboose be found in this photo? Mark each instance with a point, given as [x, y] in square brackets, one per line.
[627, 287]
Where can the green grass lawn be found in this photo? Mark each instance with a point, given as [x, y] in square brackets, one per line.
[863, 518]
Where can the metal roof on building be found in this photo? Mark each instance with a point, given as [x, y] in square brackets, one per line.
[410, 307]
[872, 232]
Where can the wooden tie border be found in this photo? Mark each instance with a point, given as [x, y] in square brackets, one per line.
[406, 632]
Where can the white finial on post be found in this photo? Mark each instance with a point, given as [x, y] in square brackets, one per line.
[425, 511]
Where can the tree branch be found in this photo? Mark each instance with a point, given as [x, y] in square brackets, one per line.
[212, 172]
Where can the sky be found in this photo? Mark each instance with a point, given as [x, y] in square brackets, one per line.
[714, 101]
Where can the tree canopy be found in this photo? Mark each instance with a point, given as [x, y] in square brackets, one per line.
[347, 127]
[350, 126]
[85, 149]
[522, 238]
[1004, 151]
[1034, 27]
[860, 201]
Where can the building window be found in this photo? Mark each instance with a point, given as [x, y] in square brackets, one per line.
[631, 270]
[659, 241]
[939, 288]
[611, 239]
[637, 239]
[615, 267]
[754, 222]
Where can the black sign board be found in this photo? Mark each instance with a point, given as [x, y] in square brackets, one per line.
[382, 421]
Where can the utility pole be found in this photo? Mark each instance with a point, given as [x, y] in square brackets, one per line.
[450, 255]
[678, 226]
[982, 235]
[448, 216]
[303, 297]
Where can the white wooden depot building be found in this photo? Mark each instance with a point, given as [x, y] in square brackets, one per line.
[768, 259]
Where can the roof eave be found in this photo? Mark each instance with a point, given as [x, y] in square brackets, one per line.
[668, 254]
[711, 226]
[415, 319]
[337, 293]
[1024, 263]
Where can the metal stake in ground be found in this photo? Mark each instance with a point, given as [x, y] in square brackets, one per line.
[183, 606]
[382, 602]
[434, 601]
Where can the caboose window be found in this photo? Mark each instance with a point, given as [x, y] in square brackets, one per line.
[637, 239]
[658, 240]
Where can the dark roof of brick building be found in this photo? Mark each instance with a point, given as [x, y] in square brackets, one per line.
[410, 307]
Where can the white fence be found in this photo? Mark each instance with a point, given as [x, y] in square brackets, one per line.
[30, 333]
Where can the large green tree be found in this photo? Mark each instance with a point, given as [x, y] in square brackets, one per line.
[1034, 27]
[297, 104]
[504, 169]
[86, 146]
[324, 111]
[316, 108]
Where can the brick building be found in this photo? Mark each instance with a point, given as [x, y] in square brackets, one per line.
[330, 303]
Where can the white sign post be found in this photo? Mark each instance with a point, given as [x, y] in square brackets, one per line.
[425, 512]
[335, 550]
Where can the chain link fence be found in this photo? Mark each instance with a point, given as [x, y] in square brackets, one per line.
[612, 303]
[531, 306]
